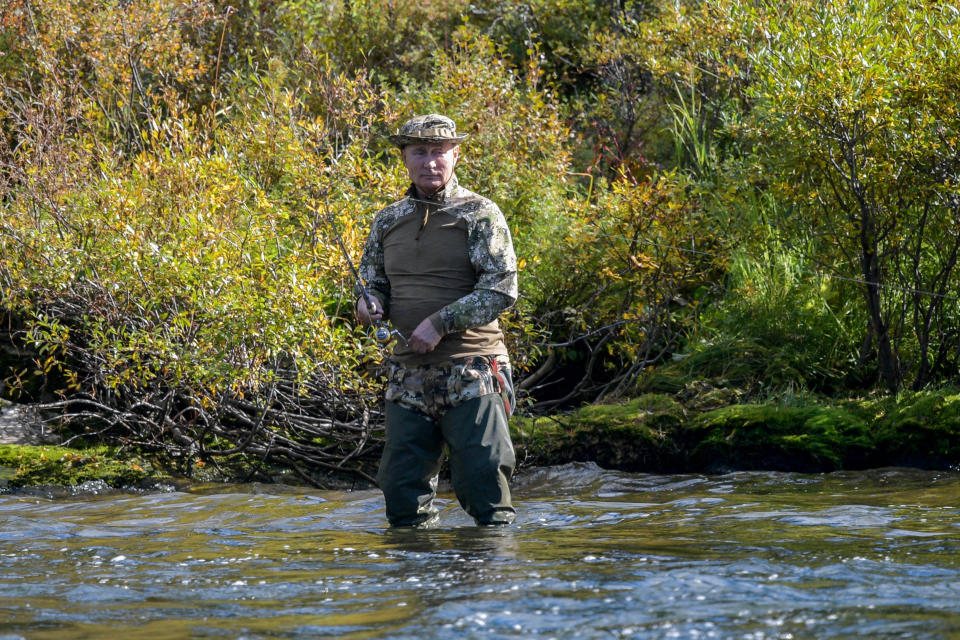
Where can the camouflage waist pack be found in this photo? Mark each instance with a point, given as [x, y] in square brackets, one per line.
[434, 389]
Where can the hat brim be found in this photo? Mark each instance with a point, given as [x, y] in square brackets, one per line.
[402, 141]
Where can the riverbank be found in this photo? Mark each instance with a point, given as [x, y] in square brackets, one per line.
[30, 456]
[656, 433]
[663, 434]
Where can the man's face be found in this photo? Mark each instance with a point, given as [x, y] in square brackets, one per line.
[430, 165]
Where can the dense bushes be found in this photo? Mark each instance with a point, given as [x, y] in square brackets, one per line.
[765, 195]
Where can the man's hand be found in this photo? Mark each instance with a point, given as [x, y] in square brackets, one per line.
[367, 316]
[424, 338]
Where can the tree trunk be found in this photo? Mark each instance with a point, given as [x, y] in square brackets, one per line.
[887, 361]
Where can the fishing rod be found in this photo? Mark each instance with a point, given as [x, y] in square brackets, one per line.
[383, 333]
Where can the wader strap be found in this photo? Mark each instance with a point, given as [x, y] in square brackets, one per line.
[506, 390]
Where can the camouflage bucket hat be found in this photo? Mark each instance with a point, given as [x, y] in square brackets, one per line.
[424, 129]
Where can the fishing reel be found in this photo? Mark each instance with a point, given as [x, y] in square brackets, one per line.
[384, 335]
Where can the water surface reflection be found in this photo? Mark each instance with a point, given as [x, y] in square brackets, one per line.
[595, 554]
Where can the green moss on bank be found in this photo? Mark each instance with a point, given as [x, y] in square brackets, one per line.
[636, 435]
[25, 465]
[919, 429]
[657, 433]
[804, 438]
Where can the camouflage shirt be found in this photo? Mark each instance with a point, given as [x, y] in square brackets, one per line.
[492, 263]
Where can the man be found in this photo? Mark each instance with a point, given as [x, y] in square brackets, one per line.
[439, 264]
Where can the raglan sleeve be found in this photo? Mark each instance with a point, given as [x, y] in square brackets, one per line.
[495, 263]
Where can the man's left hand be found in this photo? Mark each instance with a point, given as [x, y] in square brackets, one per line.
[424, 338]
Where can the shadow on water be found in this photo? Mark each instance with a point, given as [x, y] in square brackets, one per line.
[595, 554]
[481, 543]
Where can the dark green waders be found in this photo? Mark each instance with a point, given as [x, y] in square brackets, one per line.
[481, 461]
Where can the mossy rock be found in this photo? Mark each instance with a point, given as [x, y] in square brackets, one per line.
[65, 467]
[639, 435]
[803, 438]
[920, 429]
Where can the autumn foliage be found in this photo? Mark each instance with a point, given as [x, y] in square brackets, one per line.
[696, 190]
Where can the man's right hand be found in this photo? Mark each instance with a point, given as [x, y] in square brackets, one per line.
[367, 316]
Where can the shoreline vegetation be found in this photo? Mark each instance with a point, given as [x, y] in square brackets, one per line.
[652, 433]
[736, 227]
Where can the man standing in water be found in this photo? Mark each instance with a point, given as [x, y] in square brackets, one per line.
[439, 264]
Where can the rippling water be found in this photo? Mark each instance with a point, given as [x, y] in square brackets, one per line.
[595, 554]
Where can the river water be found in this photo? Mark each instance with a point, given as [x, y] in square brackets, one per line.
[594, 554]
